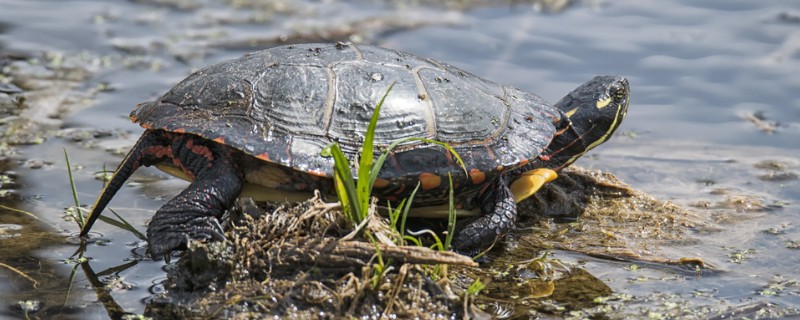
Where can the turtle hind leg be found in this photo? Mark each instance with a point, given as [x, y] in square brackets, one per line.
[144, 153]
[499, 214]
[194, 213]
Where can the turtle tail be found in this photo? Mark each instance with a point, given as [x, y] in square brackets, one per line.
[133, 160]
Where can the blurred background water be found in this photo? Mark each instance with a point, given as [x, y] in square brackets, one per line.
[715, 107]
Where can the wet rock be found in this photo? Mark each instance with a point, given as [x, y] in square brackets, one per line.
[137, 47]
[9, 88]
[778, 176]
[84, 134]
[37, 163]
[792, 17]
[774, 165]
[777, 171]
[9, 106]
[184, 5]
[793, 244]
[23, 131]
[779, 230]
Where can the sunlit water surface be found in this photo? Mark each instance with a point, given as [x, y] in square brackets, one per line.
[697, 69]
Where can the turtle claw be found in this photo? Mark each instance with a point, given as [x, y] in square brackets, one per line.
[206, 229]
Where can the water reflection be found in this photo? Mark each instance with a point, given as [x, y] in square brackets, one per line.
[708, 76]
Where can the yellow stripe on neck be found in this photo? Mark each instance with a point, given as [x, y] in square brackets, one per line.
[603, 103]
[571, 112]
[617, 118]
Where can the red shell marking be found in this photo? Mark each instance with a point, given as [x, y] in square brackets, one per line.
[318, 173]
[477, 177]
[264, 156]
[380, 183]
[429, 181]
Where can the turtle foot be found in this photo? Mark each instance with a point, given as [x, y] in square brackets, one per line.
[167, 236]
[475, 238]
[500, 212]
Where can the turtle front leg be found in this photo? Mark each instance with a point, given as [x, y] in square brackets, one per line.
[499, 214]
[194, 213]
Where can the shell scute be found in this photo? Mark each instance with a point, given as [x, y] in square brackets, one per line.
[284, 105]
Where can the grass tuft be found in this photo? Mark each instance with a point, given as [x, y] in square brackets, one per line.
[355, 194]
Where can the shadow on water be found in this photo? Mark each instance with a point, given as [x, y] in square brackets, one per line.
[104, 296]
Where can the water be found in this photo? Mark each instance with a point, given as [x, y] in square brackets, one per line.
[697, 69]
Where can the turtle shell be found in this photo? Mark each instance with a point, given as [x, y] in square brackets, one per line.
[285, 104]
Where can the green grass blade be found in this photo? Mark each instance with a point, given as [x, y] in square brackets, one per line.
[123, 224]
[348, 185]
[475, 287]
[451, 216]
[344, 200]
[413, 240]
[405, 212]
[113, 222]
[366, 172]
[79, 214]
[345, 188]
[437, 245]
[394, 215]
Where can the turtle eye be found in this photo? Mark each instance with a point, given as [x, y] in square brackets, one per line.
[619, 95]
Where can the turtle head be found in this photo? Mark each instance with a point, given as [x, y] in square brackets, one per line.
[595, 110]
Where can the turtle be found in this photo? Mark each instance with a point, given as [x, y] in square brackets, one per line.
[261, 121]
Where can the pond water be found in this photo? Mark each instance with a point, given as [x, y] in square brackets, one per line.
[715, 114]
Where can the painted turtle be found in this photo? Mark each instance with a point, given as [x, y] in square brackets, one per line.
[263, 119]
